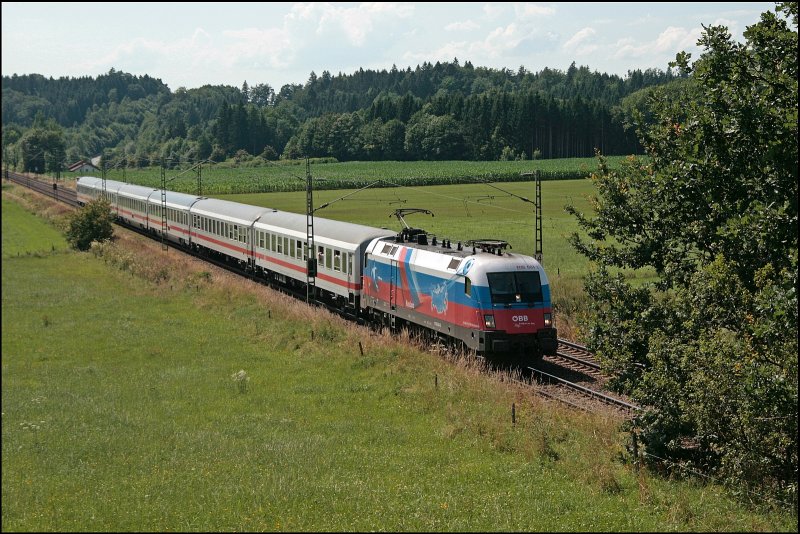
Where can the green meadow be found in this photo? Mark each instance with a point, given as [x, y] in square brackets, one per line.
[256, 175]
[142, 391]
[27, 239]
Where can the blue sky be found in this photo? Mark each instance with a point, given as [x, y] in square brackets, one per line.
[194, 44]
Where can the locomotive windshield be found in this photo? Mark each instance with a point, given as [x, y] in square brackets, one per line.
[509, 288]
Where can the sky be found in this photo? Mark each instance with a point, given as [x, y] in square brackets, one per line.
[193, 44]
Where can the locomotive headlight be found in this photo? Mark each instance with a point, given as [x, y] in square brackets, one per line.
[488, 320]
[548, 319]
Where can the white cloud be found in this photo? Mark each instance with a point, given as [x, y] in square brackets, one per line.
[274, 45]
[467, 25]
[500, 40]
[305, 27]
[579, 39]
[493, 10]
[357, 22]
[527, 12]
[354, 22]
[671, 40]
[199, 48]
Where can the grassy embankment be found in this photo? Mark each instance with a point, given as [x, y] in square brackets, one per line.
[121, 412]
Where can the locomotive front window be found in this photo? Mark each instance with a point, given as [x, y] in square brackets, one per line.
[508, 288]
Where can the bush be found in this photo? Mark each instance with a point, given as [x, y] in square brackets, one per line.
[91, 223]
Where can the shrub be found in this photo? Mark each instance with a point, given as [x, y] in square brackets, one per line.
[91, 223]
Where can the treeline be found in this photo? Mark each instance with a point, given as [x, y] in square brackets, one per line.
[440, 112]
[67, 100]
[434, 112]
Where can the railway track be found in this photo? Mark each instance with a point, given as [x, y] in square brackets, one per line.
[50, 189]
[573, 376]
[575, 394]
[569, 377]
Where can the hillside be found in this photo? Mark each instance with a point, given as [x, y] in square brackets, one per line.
[442, 111]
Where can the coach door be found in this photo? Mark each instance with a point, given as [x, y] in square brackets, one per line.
[394, 280]
[251, 246]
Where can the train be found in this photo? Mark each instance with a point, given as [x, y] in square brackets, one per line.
[475, 294]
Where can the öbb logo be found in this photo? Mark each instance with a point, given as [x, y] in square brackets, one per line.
[519, 318]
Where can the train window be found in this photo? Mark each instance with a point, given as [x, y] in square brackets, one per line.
[299, 250]
[349, 263]
[529, 285]
[386, 248]
[467, 286]
[320, 255]
[507, 288]
[261, 239]
[279, 250]
[394, 249]
[286, 245]
[292, 248]
[328, 256]
[337, 260]
[454, 263]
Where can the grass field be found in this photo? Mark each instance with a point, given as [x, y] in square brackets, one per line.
[122, 410]
[26, 239]
[225, 178]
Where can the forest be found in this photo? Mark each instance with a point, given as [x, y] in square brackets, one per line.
[441, 111]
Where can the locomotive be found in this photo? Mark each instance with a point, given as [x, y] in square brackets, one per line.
[476, 294]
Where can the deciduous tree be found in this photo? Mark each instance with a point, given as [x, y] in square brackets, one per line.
[711, 346]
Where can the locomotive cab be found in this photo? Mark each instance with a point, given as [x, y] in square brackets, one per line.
[517, 316]
[493, 302]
